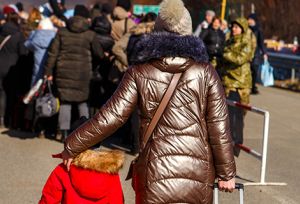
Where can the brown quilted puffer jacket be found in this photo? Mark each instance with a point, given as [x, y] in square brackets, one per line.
[191, 144]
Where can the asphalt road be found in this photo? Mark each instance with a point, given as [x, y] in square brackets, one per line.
[26, 160]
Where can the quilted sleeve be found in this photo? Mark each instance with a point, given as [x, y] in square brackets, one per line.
[218, 128]
[109, 118]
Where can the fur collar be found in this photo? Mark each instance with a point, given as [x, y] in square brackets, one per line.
[101, 161]
[164, 44]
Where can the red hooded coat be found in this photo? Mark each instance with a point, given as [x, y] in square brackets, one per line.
[88, 182]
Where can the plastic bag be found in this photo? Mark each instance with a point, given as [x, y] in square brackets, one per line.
[266, 74]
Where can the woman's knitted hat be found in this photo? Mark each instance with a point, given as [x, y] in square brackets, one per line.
[174, 17]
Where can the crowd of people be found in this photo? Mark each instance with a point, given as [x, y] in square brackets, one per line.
[85, 57]
[236, 51]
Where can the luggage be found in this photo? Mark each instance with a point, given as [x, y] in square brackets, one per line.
[238, 186]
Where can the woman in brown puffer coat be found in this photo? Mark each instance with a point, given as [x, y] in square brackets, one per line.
[191, 145]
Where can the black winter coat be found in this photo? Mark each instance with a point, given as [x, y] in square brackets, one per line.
[71, 53]
[102, 27]
[260, 48]
[214, 41]
[12, 49]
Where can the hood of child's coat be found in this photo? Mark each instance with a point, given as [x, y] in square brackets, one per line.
[93, 172]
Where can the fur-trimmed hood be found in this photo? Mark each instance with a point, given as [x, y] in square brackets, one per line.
[142, 28]
[93, 174]
[159, 45]
[101, 161]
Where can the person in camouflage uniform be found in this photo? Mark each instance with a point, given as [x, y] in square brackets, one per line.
[236, 74]
[238, 53]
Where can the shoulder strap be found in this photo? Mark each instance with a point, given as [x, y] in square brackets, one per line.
[161, 108]
[4, 41]
[125, 26]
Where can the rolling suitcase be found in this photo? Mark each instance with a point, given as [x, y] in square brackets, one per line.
[238, 186]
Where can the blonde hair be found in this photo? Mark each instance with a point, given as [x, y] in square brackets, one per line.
[34, 17]
[57, 22]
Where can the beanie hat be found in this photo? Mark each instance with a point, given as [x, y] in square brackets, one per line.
[174, 17]
[125, 4]
[10, 9]
[46, 24]
[20, 6]
[253, 16]
[81, 10]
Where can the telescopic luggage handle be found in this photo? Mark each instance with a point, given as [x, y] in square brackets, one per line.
[238, 186]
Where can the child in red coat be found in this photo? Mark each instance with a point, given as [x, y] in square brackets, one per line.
[93, 179]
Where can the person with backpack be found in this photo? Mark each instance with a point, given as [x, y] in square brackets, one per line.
[185, 140]
[120, 19]
[125, 46]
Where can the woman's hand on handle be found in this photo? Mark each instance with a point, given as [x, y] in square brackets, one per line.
[227, 186]
[67, 159]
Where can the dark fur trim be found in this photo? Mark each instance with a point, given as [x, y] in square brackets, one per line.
[163, 44]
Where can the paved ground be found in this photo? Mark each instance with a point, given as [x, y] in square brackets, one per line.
[26, 161]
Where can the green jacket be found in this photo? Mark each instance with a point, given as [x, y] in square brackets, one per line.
[238, 53]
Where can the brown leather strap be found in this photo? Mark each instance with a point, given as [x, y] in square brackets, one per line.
[161, 108]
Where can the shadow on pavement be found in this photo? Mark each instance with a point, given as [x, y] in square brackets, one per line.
[27, 135]
[112, 142]
[19, 134]
[244, 179]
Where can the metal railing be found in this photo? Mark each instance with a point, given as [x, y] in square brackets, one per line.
[265, 138]
[285, 61]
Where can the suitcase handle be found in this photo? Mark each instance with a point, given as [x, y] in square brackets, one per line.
[238, 186]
